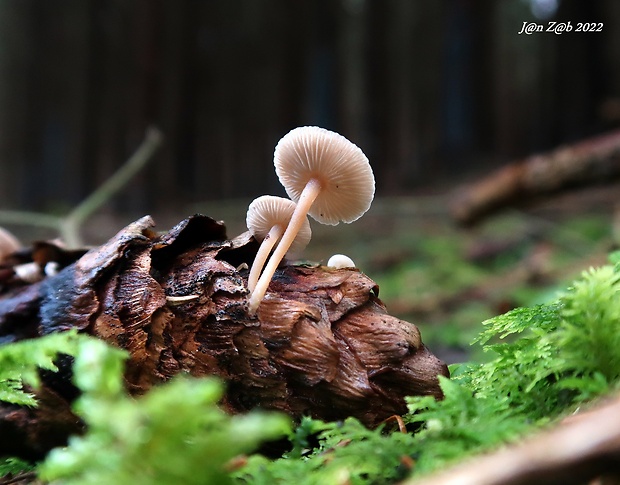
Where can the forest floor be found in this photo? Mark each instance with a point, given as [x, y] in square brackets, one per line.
[448, 279]
[444, 278]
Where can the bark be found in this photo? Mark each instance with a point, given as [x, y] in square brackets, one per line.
[594, 160]
[321, 344]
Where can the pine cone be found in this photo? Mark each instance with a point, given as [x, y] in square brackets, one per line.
[321, 344]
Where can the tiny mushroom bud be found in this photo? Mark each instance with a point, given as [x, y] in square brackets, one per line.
[51, 268]
[340, 261]
[328, 176]
[28, 272]
[267, 219]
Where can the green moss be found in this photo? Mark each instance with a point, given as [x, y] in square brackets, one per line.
[541, 363]
[174, 434]
[347, 453]
[21, 361]
[540, 367]
[547, 360]
[12, 466]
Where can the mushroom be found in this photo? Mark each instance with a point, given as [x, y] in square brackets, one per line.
[8, 243]
[339, 261]
[28, 272]
[267, 218]
[328, 176]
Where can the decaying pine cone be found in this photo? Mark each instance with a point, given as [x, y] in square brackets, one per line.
[322, 343]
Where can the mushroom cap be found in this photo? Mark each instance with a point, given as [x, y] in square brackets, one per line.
[347, 181]
[339, 261]
[266, 211]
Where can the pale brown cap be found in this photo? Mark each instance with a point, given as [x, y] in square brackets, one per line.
[8, 243]
[339, 261]
[347, 181]
[266, 211]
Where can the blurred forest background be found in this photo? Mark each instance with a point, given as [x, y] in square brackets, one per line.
[435, 93]
[431, 91]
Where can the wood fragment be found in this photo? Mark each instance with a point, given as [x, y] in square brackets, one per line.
[322, 343]
[575, 451]
[595, 160]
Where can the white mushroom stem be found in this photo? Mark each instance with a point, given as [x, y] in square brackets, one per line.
[307, 198]
[265, 248]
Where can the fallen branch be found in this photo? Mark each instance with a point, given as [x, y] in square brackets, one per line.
[590, 161]
[576, 451]
[69, 226]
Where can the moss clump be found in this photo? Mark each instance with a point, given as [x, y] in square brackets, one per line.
[174, 434]
[548, 359]
[541, 366]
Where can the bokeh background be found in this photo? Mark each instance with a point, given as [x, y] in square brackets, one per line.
[436, 93]
[433, 91]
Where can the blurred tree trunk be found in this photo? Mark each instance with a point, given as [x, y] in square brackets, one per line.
[429, 90]
[353, 83]
[17, 100]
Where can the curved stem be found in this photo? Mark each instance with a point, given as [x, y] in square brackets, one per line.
[307, 198]
[73, 221]
[263, 252]
[118, 179]
[30, 219]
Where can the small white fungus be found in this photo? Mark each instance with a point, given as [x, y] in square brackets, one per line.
[340, 261]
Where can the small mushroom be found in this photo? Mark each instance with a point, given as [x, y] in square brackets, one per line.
[328, 176]
[28, 272]
[267, 219]
[339, 261]
[51, 268]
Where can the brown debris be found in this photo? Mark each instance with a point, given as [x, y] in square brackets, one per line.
[576, 451]
[322, 343]
[31, 432]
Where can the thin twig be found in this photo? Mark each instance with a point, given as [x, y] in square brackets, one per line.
[574, 451]
[26, 477]
[28, 218]
[73, 221]
[69, 226]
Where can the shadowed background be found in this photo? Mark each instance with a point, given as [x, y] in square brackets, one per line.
[431, 91]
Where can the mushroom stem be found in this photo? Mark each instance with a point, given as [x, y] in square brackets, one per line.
[265, 248]
[307, 198]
